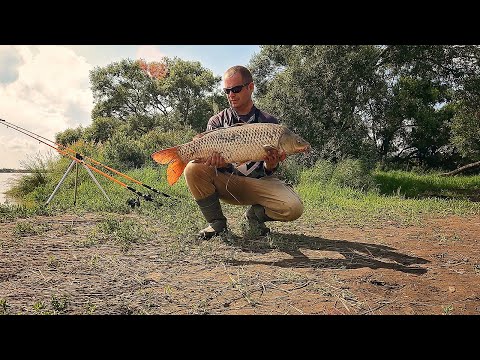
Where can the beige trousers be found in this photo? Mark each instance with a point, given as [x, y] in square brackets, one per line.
[279, 200]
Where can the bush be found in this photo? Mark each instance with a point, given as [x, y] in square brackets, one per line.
[320, 173]
[354, 174]
[347, 173]
[121, 152]
[156, 140]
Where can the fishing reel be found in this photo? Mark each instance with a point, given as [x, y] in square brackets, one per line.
[133, 202]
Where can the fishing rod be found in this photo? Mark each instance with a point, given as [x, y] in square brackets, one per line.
[16, 127]
[79, 158]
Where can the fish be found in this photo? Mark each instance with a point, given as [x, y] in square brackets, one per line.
[239, 143]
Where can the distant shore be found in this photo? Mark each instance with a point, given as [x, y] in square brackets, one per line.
[15, 171]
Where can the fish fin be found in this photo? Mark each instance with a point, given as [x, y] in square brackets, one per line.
[175, 170]
[217, 129]
[175, 164]
[269, 147]
[207, 132]
[166, 155]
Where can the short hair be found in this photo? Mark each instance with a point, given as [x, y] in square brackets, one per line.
[244, 72]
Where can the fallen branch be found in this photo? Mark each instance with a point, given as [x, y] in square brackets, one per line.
[463, 168]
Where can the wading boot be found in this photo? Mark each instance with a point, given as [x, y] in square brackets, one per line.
[256, 217]
[212, 211]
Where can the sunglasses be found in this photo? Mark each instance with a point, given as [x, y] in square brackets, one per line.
[235, 89]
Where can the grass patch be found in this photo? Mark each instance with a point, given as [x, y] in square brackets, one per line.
[346, 192]
[357, 208]
[415, 185]
[26, 228]
[121, 232]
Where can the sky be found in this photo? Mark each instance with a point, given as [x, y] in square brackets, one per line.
[45, 88]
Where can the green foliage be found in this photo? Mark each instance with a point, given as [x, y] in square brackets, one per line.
[156, 140]
[376, 103]
[352, 173]
[320, 174]
[69, 136]
[3, 307]
[313, 89]
[122, 152]
[290, 170]
[27, 228]
[419, 185]
[39, 167]
[102, 129]
[122, 232]
[122, 89]
[185, 94]
[466, 129]
[188, 87]
[347, 173]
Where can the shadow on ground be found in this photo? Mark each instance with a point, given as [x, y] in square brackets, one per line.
[356, 254]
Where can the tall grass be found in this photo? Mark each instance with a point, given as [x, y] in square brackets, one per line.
[396, 196]
[416, 185]
[346, 192]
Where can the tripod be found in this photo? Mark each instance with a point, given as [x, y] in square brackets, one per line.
[75, 162]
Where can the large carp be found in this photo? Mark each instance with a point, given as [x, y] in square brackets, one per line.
[236, 144]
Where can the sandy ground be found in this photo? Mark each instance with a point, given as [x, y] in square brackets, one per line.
[300, 268]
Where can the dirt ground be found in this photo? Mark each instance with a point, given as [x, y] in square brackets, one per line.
[313, 268]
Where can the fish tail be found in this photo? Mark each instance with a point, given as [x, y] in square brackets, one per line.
[175, 164]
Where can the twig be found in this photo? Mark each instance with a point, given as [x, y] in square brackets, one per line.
[378, 307]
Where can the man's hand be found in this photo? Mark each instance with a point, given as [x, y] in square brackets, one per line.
[215, 160]
[273, 158]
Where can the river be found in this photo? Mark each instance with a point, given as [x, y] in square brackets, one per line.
[6, 182]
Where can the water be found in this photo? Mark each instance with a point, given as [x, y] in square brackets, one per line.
[6, 182]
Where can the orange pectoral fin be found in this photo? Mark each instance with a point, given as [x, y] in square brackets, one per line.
[175, 170]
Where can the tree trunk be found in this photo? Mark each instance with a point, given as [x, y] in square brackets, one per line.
[463, 168]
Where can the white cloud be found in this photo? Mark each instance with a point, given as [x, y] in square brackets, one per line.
[52, 80]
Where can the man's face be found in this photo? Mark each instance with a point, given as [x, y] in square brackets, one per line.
[242, 98]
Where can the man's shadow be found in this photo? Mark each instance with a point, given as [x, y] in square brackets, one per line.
[356, 255]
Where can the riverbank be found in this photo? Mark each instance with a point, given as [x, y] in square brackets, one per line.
[7, 180]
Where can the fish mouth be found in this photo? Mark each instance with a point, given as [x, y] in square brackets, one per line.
[306, 149]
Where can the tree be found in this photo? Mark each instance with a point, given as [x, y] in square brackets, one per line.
[389, 103]
[69, 136]
[319, 92]
[145, 95]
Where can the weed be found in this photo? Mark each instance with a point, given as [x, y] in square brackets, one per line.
[447, 309]
[123, 233]
[25, 228]
[59, 305]
[40, 309]
[52, 262]
[90, 308]
[3, 307]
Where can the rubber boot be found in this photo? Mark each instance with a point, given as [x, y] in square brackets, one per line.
[212, 211]
[256, 217]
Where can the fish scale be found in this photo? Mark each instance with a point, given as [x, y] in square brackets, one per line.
[236, 144]
[230, 143]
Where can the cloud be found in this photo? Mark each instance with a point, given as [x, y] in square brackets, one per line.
[48, 92]
[9, 62]
[149, 53]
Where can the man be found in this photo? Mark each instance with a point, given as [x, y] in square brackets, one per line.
[251, 183]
